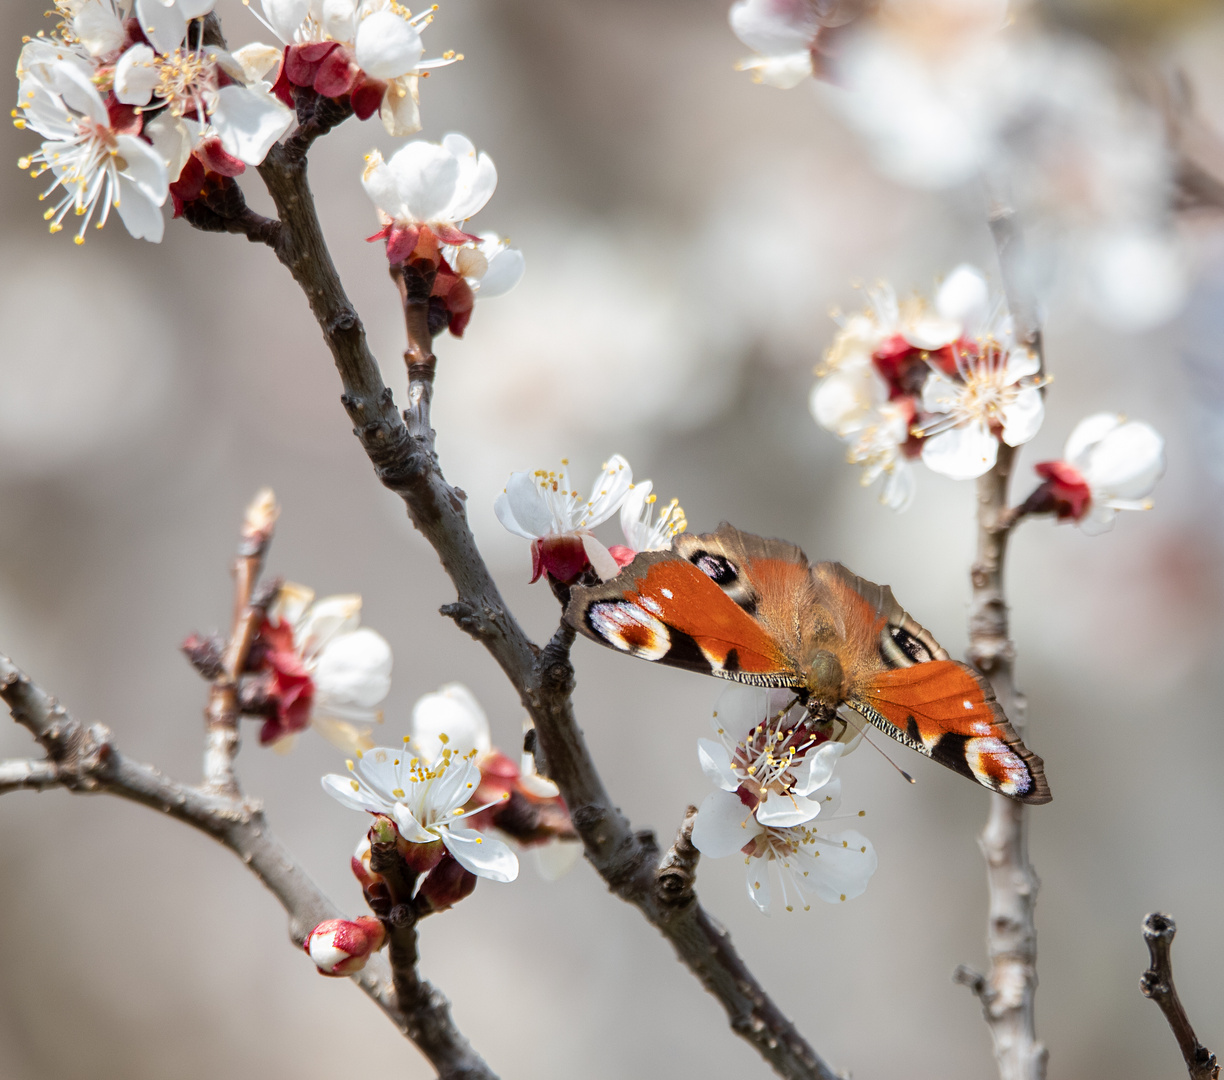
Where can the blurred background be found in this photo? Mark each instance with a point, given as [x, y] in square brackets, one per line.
[686, 235]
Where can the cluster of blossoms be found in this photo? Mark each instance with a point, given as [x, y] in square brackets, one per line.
[135, 108]
[434, 802]
[776, 794]
[946, 91]
[311, 664]
[545, 508]
[946, 382]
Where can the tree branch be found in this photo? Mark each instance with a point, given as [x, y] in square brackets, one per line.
[402, 452]
[1157, 984]
[1007, 991]
[28, 775]
[85, 761]
[221, 739]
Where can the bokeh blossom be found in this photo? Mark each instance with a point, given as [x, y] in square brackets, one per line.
[318, 667]
[1109, 464]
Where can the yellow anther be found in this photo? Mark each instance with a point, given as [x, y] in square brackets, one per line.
[398, 793]
[443, 738]
[349, 764]
[354, 785]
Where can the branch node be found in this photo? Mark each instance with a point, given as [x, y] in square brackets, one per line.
[1157, 984]
[676, 875]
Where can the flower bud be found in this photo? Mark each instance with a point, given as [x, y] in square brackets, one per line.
[340, 947]
[445, 885]
[360, 864]
[261, 517]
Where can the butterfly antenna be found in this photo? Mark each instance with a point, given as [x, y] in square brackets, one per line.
[882, 752]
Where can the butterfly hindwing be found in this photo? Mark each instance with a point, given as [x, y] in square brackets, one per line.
[948, 712]
[662, 607]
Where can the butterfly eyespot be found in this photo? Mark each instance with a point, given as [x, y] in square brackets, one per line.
[630, 628]
[717, 567]
[900, 648]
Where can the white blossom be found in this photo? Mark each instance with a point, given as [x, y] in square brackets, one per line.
[491, 268]
[188, 83]
[96, 166]
[1120, 460]
[348, 665]
[998, 389]
[776, 794]
[426, 801]
[439, 185]
[544, 506]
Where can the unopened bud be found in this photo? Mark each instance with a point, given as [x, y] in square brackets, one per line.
[260, 519]
[342, 946]
[382, 831]
[445, 885]
[361, 865]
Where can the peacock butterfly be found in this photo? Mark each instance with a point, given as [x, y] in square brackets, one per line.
[741, 607]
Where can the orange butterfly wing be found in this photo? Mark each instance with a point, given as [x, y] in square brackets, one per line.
[948, 712]
[663, 608]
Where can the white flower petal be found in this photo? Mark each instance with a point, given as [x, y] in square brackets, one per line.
[173, 140]
[782, 811]
[285, 16]
[164, 24]
[257, 60]
[738, 709]
[353, 669]
[961, 453]
[452, 710]
[900, 486]
[1099, 519]
[1126, 463]
[783, 72]
[291, 603]
[324, 620]
[521, 507]
[483, 855]
[425, 175]
[716, 764]
[1086, 434]
[771, 27]
[387, 45]
[379, 183]
[964, 298]
[249, 120]
[136, 75]
[400, 110]
[141, 167]
[555, 859]
[1021, 363]
[608, 493]
[506, 267]
[816, 768]
[341, 788]
[411, 829]
[843, 869]
[600, 558]
[141, 215]
[723, 825]
[1022, 417]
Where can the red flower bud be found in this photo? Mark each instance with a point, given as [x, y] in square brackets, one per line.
[341, 947]
[445, 885]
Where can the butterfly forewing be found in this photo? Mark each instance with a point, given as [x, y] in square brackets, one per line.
[948, 712]
[664, 608]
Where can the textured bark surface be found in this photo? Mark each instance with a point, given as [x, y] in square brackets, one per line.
[1157, 984]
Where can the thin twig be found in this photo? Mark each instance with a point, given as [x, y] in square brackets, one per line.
[221, 740]
[401, 449]
[28, 775]
[1157, 984]
[87, 762]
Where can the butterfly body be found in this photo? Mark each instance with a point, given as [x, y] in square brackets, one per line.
[756, 611]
